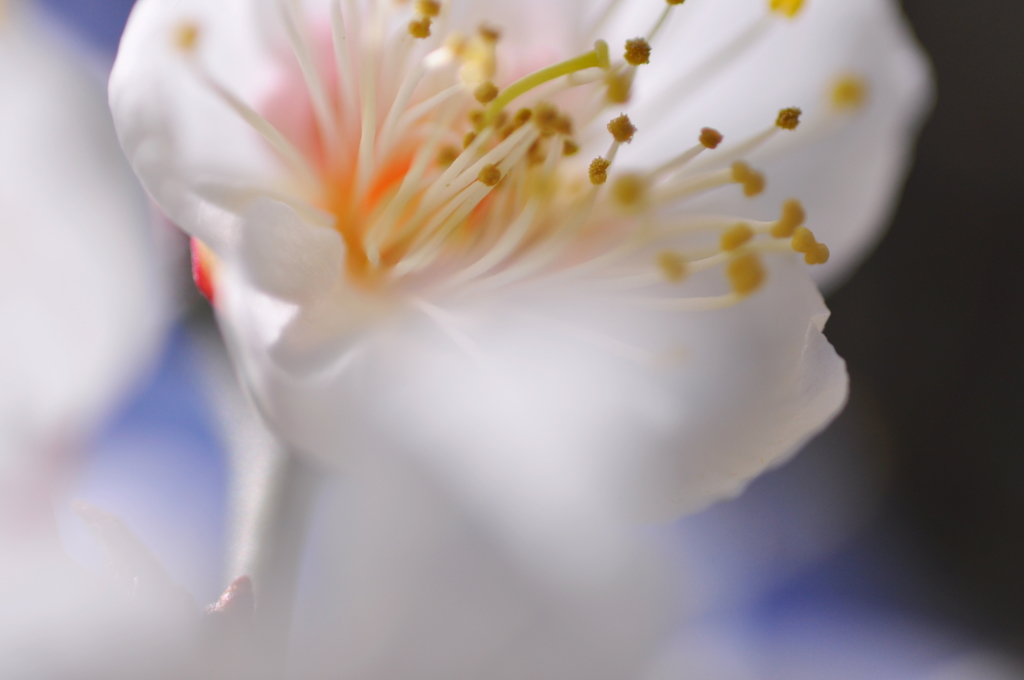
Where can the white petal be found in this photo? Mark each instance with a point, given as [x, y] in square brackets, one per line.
[418, 589]
[546, 412]
[284, 256]
[179, 136]
[81, 297]
[847, 169]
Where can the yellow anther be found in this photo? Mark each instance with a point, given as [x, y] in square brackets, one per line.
[428, 8]
[468, 139]
[746, 274]
[456, 43]
[789, 119]
[788, 8]
[620, 86]
[186, 36]
[478, 119]
[490, 175]
[804, 241]
[672, 265]
[710, 138]
[675, 2]
[819, 255]
[737, 236]
[522, 117]
[753, 182]
[599, 171]
[849, 92]
[570, 148]
[630, 190]
[447, 155]
[501, 119]
[545, 117]
[485, 92]
[563, 125]
[420, 28]
[479, 58]
[489, 33]
[638, 52]
[793, 216]
[622, 129]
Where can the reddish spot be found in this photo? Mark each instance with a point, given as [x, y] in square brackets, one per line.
[202, 269]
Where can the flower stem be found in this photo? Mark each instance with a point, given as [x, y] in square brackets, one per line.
[276, 541]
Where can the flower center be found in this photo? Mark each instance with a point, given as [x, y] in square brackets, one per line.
[457, 178]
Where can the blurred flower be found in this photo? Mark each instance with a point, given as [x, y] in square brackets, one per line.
[80, 299]
[433, 236]
[82, 310]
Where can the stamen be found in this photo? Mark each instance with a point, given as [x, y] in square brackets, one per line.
[787, 8]
[622, 129]
[709, 139]
[599, 171]
[620, 86]
[737, 236]
[630, 190]
[673, 266]
[343, 62]
[428, 8]
[490, 175]
[570, 148]
[849, 92]
[485, 92]
[186, 36]
[638, 51]
[753, 182]
[746, 274]
[793, 216]
[788, 119]
[420, 28]
[597, 58]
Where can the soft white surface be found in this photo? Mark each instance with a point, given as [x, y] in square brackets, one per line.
[80, 300]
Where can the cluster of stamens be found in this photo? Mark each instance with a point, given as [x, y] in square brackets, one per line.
[469, 183]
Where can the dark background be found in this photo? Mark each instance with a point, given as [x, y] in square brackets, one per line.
[931, 328]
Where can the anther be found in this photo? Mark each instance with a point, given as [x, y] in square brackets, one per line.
[789, 119]
[638, 52]
[570, 148]
[620, 86]
[737, 236]
[672, 265]
[522, 117]
[753, 182]
[599, 171]
[563, 125]
[500, 121]
[804, 241]
[787, 8]
[675, 2]
[545, 117]
[820, 255]
[710, 138]
[447, 155]
[485, 92]
[622, 129]
[630, 190]
[186, 36]
[849, 92]
[793, 216]
[746, 274]
[468, 139]
[490, 175]
[420, 28]
[477, 119]
[489, 33]
[428, 8]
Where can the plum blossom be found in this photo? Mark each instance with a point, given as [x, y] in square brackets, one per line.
[545, 250]
[81, 303]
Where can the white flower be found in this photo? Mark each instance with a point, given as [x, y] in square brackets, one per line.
[564, 353]
[79, 297]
